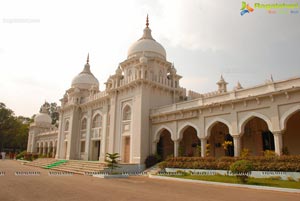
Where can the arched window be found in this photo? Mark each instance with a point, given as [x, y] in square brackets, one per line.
[83, 124]
[67, 126]
[97, 121]
[127, 113]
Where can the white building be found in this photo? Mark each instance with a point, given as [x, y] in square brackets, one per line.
[144, 110]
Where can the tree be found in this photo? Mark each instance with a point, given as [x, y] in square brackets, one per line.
[13, 130]
[52, 111]
[111, 160]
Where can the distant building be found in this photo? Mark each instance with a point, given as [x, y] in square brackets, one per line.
[144, 110]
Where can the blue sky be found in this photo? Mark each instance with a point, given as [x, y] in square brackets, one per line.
[43, 45]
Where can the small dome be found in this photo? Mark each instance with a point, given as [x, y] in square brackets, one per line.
[43, 117]
[85, 79]
[146, 44]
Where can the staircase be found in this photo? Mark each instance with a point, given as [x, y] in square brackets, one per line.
[41, 162]
[73, 166]
[80, 167]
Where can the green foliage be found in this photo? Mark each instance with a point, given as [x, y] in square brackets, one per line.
[270, 154]
[21, 155]
[198, 150]
[162, 164]
[52, 111]
[260, 163]
[251, 181]
[13, 130]
[242, 169]
[245, 153]
[152, 160]
[26, 156]
[112, 162]
[207, 150]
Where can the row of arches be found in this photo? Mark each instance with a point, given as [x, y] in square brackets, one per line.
[47, 148]
[97, 120]
[255, 136]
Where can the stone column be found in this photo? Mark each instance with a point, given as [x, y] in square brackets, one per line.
[53, 151]
[41, 149]
[103, 138]
[278, 142]
[44, 149]
[237, 145]
[203, 147]
[49, 150]
[87, 151]
[176, 147]
[60, 137]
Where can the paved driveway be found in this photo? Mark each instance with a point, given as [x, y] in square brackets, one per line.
[86, 188]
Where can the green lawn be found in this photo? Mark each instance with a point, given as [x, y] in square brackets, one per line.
[251, 181]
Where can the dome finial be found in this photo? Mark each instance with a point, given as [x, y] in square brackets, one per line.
[88, 58]
[147, 21]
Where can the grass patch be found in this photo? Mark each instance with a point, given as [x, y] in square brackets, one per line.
[252, 181]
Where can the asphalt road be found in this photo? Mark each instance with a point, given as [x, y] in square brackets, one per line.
[86, 188]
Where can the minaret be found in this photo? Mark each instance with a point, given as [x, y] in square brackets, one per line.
[147, 21]
[238, 86]
[222, 85]
[87, 68]
[147, 31]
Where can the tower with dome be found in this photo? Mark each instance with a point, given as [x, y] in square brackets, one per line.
[144, 110]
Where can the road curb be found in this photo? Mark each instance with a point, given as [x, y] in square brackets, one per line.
[287, 190]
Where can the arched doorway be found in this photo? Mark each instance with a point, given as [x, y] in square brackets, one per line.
[257, 137]
[219, 133]
[190, 143]
[291, 136]
[165, 145]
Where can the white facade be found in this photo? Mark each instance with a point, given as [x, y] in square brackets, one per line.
[143, 99]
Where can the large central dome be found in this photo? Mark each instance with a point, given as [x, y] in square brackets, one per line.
[146, 45]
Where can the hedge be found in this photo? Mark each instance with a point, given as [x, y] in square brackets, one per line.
[260, 163]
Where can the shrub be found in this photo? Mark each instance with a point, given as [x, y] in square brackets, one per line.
[245, 153]
[242, 169]
[112, 162]
[152, 160]
[21, 155]
[198, 150]
[162, 165]
[270, 154]
[260, 163]
[35, 156]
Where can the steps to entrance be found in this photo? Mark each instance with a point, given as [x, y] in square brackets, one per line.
[41, 162]
[56, 163]
[73, 166]
[80, 167]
